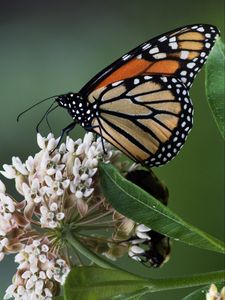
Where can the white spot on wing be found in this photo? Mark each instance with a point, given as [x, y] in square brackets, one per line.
[136, 81]
[164, 79]
[163, 38]
[173, 45]
[154, 50]
[184, 79]
[183, 73]
[191, 65]
[184, 54]
[146, 46]
[116, 83]
[126, 56]
[201, 29]
[172, 39]
[159, 55]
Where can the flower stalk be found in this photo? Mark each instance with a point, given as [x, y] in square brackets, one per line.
[78, 246]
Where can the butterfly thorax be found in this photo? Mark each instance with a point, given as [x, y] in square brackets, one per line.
[80, 110]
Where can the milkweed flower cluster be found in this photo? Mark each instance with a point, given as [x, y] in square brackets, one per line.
[60, 191]
[59, 188]
[39, 272]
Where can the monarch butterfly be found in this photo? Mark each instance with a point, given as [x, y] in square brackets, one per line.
[140, 103]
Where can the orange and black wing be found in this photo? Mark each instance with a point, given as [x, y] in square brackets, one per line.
[178, 53]
[142, 99]
[146, 117]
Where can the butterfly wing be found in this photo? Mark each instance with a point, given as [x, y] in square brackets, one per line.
[178, 53]
[146, 117]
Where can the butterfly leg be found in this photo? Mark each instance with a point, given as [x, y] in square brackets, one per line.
[66, 131]
[97, 126]
[101, 136]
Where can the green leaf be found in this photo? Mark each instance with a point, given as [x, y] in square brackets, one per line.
[94, 283]
[215, 84]
[58, 298]
[136, 204]
[200, 294]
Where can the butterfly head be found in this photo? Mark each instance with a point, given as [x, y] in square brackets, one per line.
[77, 108]
[69, 100]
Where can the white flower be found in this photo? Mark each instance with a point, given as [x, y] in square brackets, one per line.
[70, 145]
[9, 171]
[37, 265]
[135, 252]
[54, 165]
[3, 242]
[6, 205]
[48, 143]
[142, 232]
[19, 166]
[83, 171]
[33, 193]
[30, 164]
[51, 216]
[60, 271]
[2, 187]
[10, 291]
[7, 208]
[57, 186]
[214, 294]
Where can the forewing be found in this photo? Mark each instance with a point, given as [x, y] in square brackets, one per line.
[146, 117]
[178, 53]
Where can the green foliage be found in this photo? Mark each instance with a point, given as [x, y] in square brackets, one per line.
[58, 298]
[134, 203]
[94, 283]
[215, 84]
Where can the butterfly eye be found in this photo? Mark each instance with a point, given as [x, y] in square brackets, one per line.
[62, 101]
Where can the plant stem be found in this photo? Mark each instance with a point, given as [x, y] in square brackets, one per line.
[77, 245]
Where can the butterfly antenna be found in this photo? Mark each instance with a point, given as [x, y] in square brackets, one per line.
[45, 115]
[19, 116]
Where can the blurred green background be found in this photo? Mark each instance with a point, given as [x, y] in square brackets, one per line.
[52, 47]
